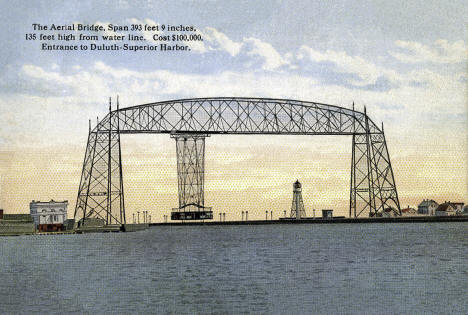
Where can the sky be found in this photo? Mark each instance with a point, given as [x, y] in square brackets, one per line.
[404, 60]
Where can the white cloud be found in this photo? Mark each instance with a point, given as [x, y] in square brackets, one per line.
[271, 59]
[366, 71]
[216, 40]
[441, 51]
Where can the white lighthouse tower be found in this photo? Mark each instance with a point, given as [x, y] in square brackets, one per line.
[297, 207]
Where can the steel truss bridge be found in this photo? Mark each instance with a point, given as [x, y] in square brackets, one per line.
[190, 121]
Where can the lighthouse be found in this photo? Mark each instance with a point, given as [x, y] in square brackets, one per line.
[297, 207]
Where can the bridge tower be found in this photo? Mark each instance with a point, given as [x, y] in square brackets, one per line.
[297, 207]
[190, 149]
[101, 193]
[373, 188]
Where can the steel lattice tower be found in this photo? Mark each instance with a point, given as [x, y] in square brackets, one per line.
[297, 207]
[373, 188]
[101, 194]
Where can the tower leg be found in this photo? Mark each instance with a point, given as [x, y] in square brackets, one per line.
[386, 195]
[361, 195]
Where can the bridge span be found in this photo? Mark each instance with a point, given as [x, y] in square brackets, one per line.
[190, 121]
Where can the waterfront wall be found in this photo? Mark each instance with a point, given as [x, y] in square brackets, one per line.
[16, 227]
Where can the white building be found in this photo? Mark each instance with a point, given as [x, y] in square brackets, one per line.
[427, 207]
[446, 209]
[49, 212]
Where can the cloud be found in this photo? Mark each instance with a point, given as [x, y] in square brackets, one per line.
[251, 52]
[269, 58]
[357, 71]
[218, 41]
[441, 52]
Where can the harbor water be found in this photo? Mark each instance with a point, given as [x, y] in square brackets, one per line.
[378, 268]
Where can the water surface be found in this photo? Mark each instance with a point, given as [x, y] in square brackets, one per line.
[271, 269]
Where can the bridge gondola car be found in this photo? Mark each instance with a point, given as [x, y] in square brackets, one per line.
[192, 215]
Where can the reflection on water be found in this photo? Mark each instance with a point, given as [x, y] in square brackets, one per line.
[273, 269]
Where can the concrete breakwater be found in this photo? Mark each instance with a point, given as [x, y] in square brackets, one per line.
[16, 224]
[418, 219]
[16, 228]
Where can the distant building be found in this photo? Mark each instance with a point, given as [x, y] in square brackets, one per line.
[446, 209]
[458, 206]
[409, 211]
[427, 207]
[50, 215]
[327, 213]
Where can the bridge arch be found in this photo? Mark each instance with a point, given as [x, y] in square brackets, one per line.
[100, 194]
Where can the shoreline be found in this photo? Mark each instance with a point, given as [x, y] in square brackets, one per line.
[144, 226]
